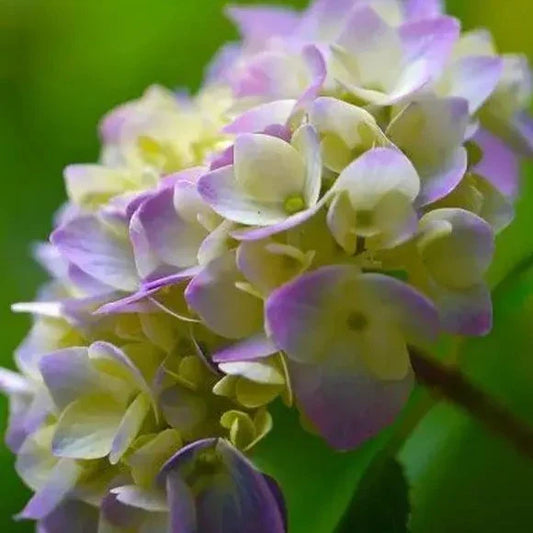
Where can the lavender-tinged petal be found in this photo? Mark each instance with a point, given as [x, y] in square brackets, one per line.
[97, 250]
[161, 236]
[347, 408]
[523, 129]
[219, 189]
[256, 347]
[49, 258]
[141, 498]
[460, 234]
[499, 164]
[61, 481]
[135, 303]
[258, 24]
[68, 374]
[116, 514]
[72, 516]
[12, 383]
[257, 119]
[291, 222]
[213, 290]
[439, 184]
[465, 312]
[423, 9]
[222, 64]
[87, 427]
[474, 78]
[173, 279]
[181, 504]
[238, 500]
[316, 66]
[106, 351]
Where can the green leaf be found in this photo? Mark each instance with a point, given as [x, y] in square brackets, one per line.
[380, 503]
[317, 482]
[462, 477]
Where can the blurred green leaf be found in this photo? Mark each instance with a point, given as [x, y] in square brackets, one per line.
[462, 478]
[317, 482]
[381, 502]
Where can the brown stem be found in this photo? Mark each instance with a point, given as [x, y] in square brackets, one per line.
[452, 385]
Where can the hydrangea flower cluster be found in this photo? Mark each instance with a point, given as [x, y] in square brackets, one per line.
[327, 201]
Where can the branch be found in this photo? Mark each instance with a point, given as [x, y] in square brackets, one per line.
[452, 385]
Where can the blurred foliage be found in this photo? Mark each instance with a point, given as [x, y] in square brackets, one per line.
[63, 63]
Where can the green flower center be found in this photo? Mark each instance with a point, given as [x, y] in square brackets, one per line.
[364, 218]
[357, 321]
[293, 204]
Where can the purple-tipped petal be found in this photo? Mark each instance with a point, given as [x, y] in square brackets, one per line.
[474, 78]
[255, 234]
[72, 516]
[347, 408]
[61, 481]
[441, 183]
[423, 9]
[68, 374]
[316, 65]
[257, 347]
[100, 251]
[258, 24]
[465, 312]
[346, 336]
[213, 290]
[239, 499]
[162, 237]
[257, 119]
[134, 303]
[523, 129]
[499, 164]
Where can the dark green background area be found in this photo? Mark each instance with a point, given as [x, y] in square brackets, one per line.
[65, 63]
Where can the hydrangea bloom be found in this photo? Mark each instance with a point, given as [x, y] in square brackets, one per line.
[326, 202]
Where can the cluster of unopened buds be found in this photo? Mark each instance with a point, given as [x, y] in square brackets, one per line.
[325, 203]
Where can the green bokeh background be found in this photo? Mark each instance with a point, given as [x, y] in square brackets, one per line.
[63, 63]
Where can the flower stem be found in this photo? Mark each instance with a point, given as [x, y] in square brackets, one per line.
[450, 384]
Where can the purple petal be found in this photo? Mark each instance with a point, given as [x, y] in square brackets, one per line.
[465, 312]
[440, 184]
[423, 9]
[223, 62]
[72, 516]
[523, 129]
[97, 250]
[118, 514]
[499, 164]
[430, 41]
[256, 234]
[239, 499]
[474, 79]
[347, 408]
[68, 374]
[181, 504]
[316, 64]
[173, 279]
[61, 481]
[258, 24]
[134, 303]
[324, 20]
[213, 290]
[257, 347]
[161, 237]
[227, 157]
[257, 119]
